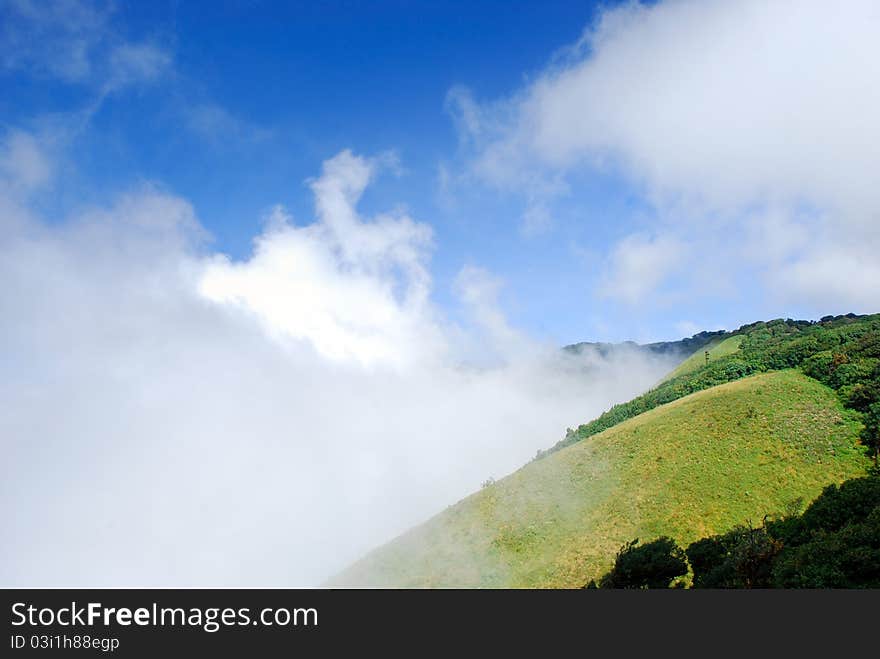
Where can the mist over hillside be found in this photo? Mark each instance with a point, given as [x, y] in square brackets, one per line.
[674, 350]
[260, 421]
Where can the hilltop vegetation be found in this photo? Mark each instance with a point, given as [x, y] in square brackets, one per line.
[841, 351]
[719, 347]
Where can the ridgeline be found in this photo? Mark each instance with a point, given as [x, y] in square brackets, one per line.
[778, 412]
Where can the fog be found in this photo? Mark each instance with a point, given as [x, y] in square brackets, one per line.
[170, 416]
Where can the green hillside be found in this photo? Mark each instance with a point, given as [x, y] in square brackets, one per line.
[780, 410]
[840, 351]
[694, 467]
[719, 347]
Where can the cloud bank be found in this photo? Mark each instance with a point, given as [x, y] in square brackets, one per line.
[170, 416]
[745, 123]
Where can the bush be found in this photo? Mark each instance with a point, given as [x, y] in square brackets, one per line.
[846, 558]
[710, 561]
[742, 558]
[653, 565]
[835, 543]
[837, 506]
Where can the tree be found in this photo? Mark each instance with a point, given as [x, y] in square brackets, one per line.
[653, 565]
[710, 561]
[741, 558]
[753, 556]
[871, 433]
[846, 558]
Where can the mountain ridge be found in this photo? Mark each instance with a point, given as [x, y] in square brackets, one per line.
[770, 422]
[681, 347]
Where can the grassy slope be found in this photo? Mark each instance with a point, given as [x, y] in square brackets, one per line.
[717, 348]
[693, 467]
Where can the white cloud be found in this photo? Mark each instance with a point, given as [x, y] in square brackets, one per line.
[485, 130]
[169, 416]
[639, 264]
[353, 289]
[726, 102]
[469, 117]
[835, 277]
[713, 108]
[493, 338]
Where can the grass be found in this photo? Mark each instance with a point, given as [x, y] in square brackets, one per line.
[717, 348]
[694, 467]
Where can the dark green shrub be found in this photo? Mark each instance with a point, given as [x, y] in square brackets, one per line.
[653, 565]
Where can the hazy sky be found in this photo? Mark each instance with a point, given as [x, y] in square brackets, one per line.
[284, 276]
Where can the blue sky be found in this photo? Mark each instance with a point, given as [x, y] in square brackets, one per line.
[249, 98]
